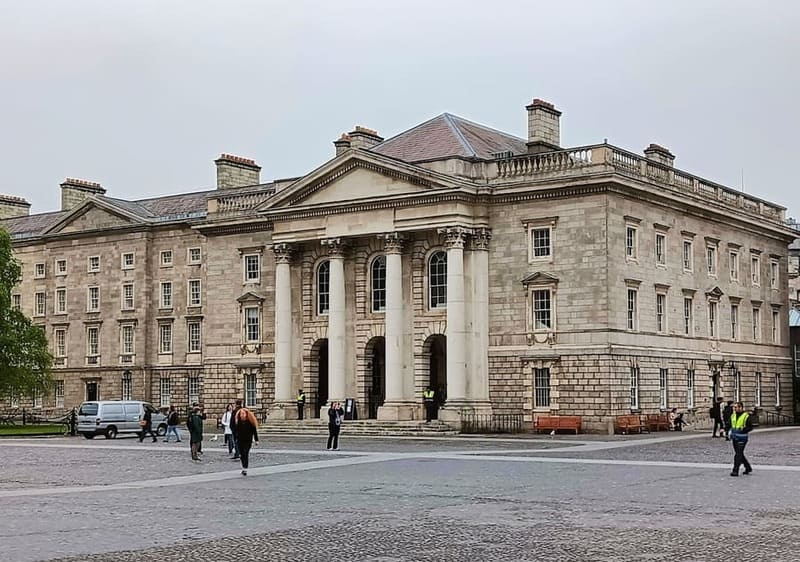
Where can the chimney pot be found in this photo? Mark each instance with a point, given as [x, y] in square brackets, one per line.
[364, 137]
[342, 144]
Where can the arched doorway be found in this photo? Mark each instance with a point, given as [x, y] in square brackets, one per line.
[319, 366]
[375, 352]
[437, 361]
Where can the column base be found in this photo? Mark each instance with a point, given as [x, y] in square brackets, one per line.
[398, 411]
[451, 412]
[283, 411]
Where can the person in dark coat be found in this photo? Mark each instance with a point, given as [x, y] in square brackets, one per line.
[194, 423]
[245, 428]
[147, 427]
[335, 417]
[716, 415]
[727, 412]
[741, 426]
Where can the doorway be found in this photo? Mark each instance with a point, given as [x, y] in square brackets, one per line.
[437, 362]
[715, 387]
[376, 371]
[319, 359]
[92, 391]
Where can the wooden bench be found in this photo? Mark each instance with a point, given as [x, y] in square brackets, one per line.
[630, 423]
[658, 422]
[556, 423]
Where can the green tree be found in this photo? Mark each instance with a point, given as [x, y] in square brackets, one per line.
[24, 359]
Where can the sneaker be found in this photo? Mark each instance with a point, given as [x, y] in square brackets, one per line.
[235, 458]
[734, 474]
[244, 472]
[336, 448]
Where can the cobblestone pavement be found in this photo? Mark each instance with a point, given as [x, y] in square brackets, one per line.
[388, 500]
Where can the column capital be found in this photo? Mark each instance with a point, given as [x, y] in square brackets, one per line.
[393, 242]
[480, 239]
[283, 252]
[454, 236]
[336, 246]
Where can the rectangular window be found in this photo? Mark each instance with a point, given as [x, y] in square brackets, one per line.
[688, 316]
[712, 319]
[195, 256]
[40, 304]
[165, 392]
[250, 390]
[663, 384]
[378, 280]
[758, 391]
[688, 262]
[126, 340]
[128, 260]
[94, 264]
[541, 384]
[165, 338]
[756, 324]
[127, 297]
[58, 392]
[252, 328]
[93, 299]
[711, 260]
[542, 317]
[194, 337]
[776, 319]
[773, 274]
[60, 347]
[737, 385]
[734, 322]
[631, 245]
[755, 270]
[127, 386]
[39, 271]
[777, 389]
[37, 399]
[661, 312]
[661, 249]
[61, 268]
[690, 388]
[252, 268]
[632, 309]
[166, 258]
[16, 302]
[194, 292]
[194, 390]
[734, 265]
[540, 243]
[634, 388]
[61, 301]
[92, 345]
[166, 294]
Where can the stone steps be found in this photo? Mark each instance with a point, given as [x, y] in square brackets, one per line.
[360, 427]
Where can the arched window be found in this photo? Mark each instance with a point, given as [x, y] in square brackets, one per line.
[378, 277]
[323, 287]
[437, 279]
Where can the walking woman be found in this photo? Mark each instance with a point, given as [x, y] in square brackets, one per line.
[335, 417]
[245, 430]
[227, 417]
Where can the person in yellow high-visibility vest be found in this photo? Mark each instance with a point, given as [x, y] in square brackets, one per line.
[429, 399]
[301, 403]
[741, 425]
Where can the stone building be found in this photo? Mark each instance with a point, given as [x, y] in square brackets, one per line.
[510, 274]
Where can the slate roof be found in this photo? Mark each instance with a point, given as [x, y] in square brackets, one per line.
[448, 136]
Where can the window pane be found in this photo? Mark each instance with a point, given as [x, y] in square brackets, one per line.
[541, 383]
[437, 280]
[378, 274]
[252, 329]
[541, 242]
[541, 310]
[323, 287]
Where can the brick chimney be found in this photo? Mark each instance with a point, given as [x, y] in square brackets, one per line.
[235, 171]
[361, 137]
[11, 207]
[544, 129]
[659, 154]
[342, 144]
[73, 191]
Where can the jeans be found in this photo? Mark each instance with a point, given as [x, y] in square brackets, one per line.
[333, 435]
[739, 458]
[173, 429]
[230, 442]
[195, 448]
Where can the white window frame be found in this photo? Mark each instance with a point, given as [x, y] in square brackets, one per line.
[774, 274]
[756, 324]
[441, 296]
[663, 388]
[539, 315]
[166, 258]
[713, 318]
[166, 297]
[662, 312]
[733, 265]
[126, 351]
[688, 255]
[757, 402]
[631, 242]
[532, 248]
[16, 301]
[690, 386]
[777, 390]
[91, 266]
[190, 258]
[193, 389]
[59, 270]
[39, 270]
[661, 252]
[712, 256]
[632, 309]
[776, 323]
[165, 336]
[735, 322]
[248, 271]
[194, 344]
[635, 380]
[688, 316]
[39, 303]
[126, 386]
[123, 258]
[247, 324]
[542, 385]
[93, 345]
[190, 292]
[60, 347]
[128, 303]
[323, 281]
[737, 385]
[92, 304]
[165, 391]
[61, 300]
[250, 390]
[377, 283]
[58, 393]
[755, 270]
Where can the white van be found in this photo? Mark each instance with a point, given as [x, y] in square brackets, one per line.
[112, 417]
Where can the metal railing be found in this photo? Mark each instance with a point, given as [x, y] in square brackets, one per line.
[766, 417]
[492, 423]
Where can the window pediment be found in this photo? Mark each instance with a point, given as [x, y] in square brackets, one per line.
[540, 278]
[714, 292]
[250, 297]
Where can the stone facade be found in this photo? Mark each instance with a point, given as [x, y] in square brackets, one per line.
[512, 275]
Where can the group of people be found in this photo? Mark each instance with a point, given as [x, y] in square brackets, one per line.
[734, 424]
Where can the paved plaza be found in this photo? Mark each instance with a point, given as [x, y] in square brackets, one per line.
[660, 497]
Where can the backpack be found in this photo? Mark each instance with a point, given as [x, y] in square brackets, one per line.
[173, 419]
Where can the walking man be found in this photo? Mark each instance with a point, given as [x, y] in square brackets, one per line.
[172, 425]
[245, 430]
[741, 425]
[194, 423]
[716, 414]
[429, 399]
[146, 424]
[727, 412]
[301, 403]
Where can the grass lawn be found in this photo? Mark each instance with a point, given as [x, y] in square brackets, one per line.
[39, 429]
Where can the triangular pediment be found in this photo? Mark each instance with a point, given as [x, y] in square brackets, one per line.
[540, 278]
[250, 297]
[94, 214]
[714, 292]
[358, 175]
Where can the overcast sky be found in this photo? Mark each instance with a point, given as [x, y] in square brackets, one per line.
[142, 96]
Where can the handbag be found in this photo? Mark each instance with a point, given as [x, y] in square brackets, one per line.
[142, 423]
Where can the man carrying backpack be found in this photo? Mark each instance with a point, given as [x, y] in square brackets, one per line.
[172, 425]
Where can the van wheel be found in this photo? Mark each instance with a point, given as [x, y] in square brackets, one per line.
[162, 430]
[88, 435]
[111, 432]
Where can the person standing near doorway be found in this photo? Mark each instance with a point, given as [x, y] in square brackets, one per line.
[194, 423]
[172, 425]
[301, 403]
[429, 399]
[245, 430]
[146, 424]
[335, 418]
[716, 414]
[727, 412]
[741, 425]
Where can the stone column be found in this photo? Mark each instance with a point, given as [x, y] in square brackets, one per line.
[397, 405]
[337, 319]
[284, 406]
[456, 322]
[479, 375]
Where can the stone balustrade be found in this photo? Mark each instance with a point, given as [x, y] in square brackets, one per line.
[227, 203]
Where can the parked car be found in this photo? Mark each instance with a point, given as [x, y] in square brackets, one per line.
[112, 417]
